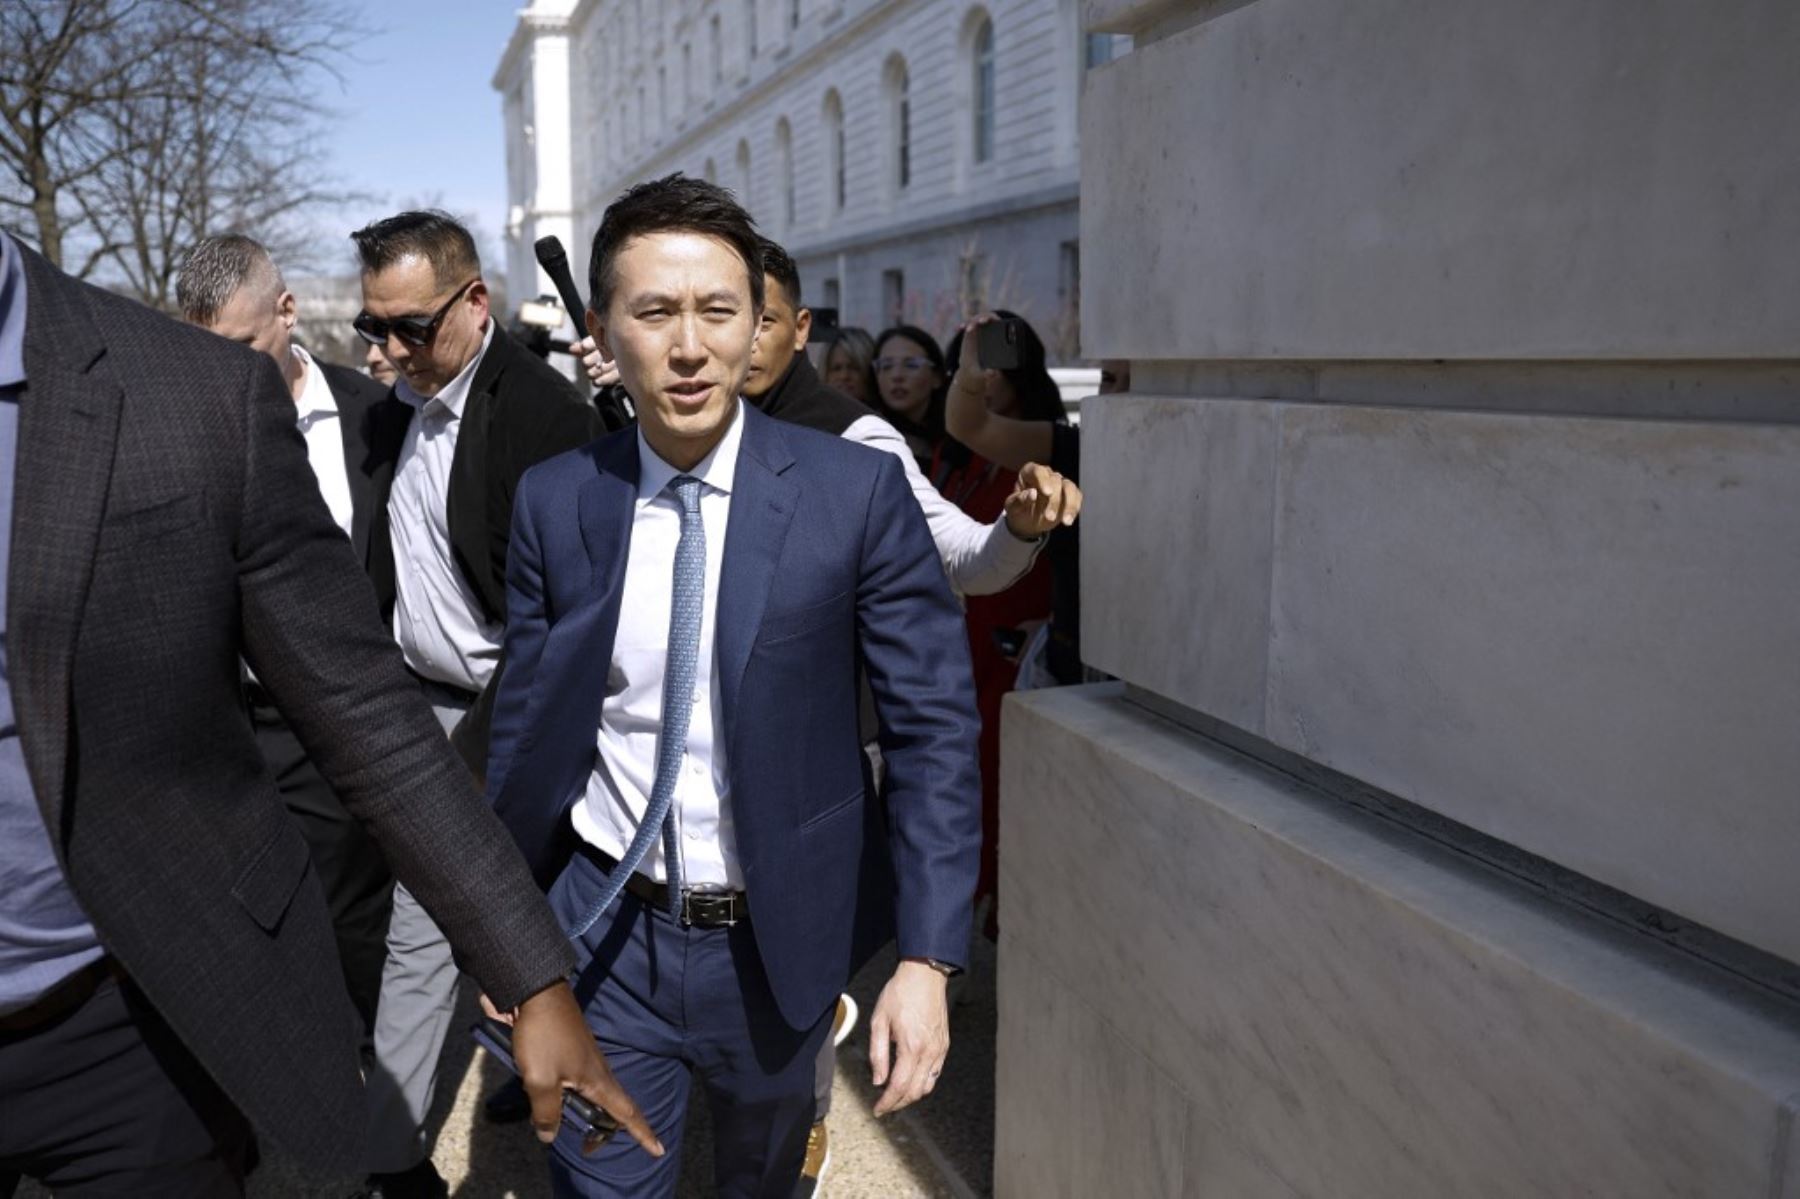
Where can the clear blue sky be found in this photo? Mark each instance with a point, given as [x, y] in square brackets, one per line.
[418, 120]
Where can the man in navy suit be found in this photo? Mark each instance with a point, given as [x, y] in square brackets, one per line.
[675, 737]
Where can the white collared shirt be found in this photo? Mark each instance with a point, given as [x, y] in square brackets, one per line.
[980, 559]
[322, 428]
[437, 616]
[618, 792]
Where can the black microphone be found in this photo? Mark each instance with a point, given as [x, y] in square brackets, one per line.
[616, 409]
[555, 261]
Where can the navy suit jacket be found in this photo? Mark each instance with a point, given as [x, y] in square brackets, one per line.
[828, 566]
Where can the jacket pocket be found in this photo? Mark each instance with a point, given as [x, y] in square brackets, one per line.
[267, 884]
[152, 520]
[797, 622]
[843, 805]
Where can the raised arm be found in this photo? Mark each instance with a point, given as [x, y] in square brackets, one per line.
[1010, 442]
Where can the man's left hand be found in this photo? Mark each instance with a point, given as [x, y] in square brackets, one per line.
[1040, 501]
[555, 1052]
[909, 1035]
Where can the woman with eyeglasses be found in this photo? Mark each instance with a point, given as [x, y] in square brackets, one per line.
[910, 382]
[850, 365]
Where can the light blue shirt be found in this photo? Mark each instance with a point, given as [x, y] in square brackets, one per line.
[44, 934]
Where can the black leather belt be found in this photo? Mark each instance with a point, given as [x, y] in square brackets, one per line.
[699, 909]
[61, 999]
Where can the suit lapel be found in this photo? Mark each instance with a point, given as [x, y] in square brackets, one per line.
[466, 505]
[763, 502]
[68, 434]
[354, 425]
[606, 505]
[386, 423]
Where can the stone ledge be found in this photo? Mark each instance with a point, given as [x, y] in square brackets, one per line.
[1343, 1011]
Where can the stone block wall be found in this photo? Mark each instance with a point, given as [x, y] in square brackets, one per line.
[1461, 470]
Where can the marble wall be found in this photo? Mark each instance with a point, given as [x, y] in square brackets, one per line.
[1577, 635]
[1447, 179]
[1464, 463]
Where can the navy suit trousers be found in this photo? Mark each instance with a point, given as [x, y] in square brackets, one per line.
[667, 1004]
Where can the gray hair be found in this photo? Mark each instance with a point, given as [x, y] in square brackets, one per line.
[216, 267]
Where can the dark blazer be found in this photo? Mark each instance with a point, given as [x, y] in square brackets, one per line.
[165, 525]
[828, 562]
[356, 394]
[519, 412]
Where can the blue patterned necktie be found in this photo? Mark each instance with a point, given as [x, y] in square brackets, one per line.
[678, 704]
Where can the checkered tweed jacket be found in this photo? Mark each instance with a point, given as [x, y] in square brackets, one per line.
[167, 524]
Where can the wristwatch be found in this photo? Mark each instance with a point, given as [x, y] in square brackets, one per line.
[943, 968]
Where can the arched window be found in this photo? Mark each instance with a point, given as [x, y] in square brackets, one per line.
[983, 59]
[743, 174]
[837, 175]
[784, 169]
[899, 122]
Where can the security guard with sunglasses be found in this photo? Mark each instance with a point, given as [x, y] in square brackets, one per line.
[472, 409]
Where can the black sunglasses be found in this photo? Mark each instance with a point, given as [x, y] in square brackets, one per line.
[413, 330]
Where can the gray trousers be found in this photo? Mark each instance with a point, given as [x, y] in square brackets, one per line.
[418, 1002]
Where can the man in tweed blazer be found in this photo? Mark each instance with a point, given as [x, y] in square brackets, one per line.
[166, 961]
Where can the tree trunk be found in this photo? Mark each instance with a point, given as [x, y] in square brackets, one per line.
[43, 207]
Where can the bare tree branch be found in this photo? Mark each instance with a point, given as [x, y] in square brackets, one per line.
[131, 128]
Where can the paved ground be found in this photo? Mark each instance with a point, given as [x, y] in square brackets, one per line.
[942, 1149]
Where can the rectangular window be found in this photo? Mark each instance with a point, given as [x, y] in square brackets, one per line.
[1068, 293]
[905, 163]
[893, 296]
[750, 23]
[1103, 48]
[794, 15]
[718, 53]
[831, 293]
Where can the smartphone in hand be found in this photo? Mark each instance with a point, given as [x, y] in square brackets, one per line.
[594, 1125]
[997, 344]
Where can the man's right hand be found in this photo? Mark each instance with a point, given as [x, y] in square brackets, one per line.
[600, 372]
[555, 1051]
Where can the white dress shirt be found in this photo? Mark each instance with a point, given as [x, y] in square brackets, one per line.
[980, 559]
[323, 430]
[437, 617]
[618, 792]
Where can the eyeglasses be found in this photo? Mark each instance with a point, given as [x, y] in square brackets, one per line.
[883, 365]
[413, 330]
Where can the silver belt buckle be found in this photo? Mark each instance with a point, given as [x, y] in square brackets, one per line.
[688, 895]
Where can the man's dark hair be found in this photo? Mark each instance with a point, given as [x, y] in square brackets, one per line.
[778, 266]
[672, 204]
[216, 267]
[437, 237]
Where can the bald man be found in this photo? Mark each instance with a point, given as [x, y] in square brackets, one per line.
[231, 286]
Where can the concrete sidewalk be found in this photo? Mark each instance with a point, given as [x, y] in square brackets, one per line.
[942, 1149]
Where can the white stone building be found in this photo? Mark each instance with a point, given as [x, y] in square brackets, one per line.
[918, 157]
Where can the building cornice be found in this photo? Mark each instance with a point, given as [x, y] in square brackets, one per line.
[832, 241]
[531, 26]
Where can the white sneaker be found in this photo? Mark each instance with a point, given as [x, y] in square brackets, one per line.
[844, 1023]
